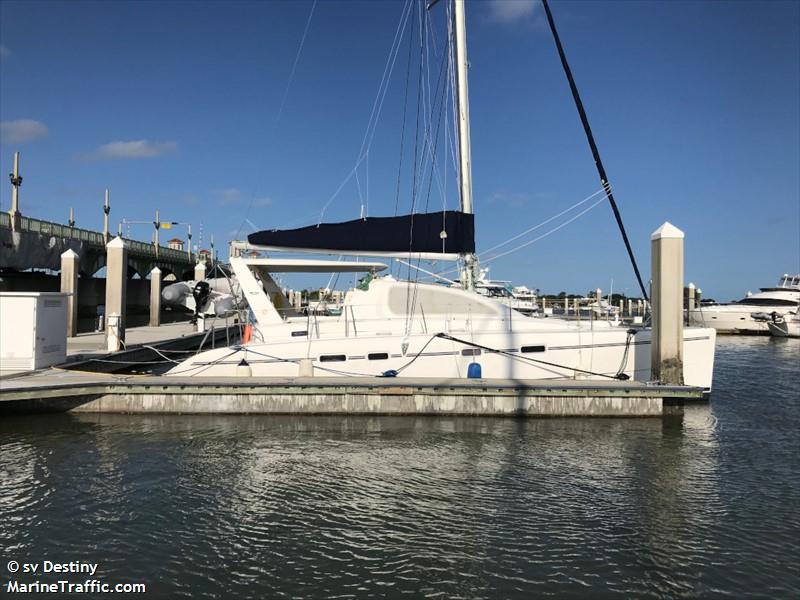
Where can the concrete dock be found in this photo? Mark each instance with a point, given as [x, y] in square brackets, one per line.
[62, 390]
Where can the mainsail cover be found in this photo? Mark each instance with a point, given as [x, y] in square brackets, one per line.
[417, 233]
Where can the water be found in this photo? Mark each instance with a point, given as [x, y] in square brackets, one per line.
[284, 507]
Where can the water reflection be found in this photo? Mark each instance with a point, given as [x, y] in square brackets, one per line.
[320, 505]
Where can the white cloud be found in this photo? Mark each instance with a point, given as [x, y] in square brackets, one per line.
[132, 149]
[228, 196]
[512, 11]
[232, 195]
[189, 199]
[5, 52]
[22, 130]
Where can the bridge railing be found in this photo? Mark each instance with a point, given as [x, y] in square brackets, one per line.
[94, 237]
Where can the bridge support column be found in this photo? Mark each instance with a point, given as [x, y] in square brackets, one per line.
[666, 350]
[69, 285]
[116, 284]
[199, 271]
[155, 297]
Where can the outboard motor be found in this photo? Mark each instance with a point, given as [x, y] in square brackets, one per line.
[201, 294]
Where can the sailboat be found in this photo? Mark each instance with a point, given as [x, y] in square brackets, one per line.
[395, 328]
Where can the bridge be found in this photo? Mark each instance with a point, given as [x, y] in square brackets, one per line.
[28, 243]
[38, 244]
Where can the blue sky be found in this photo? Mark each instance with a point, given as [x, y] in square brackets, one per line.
[177, 106]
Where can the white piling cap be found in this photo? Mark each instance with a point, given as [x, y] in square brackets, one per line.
[117, 242]
[155, 270]
[667, 230]
[69, 254]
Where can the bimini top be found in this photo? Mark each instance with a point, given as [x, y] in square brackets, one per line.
[444, 235]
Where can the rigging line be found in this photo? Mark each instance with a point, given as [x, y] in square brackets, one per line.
[432, 153]
[595, 152]
[597, 202]
[438, 101]
[386, 69]
[405, 111]
[386, 88]
[391, 59]
[535, 227]
[296, 60]
[383, 88]
[414, 171]
[453, 88]
[544, 235]
[437, 108]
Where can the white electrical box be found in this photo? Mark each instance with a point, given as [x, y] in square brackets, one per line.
[33, 330]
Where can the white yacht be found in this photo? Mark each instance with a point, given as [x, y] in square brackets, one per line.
[395, 328]
[519, 298]
[737, 317]
[401, 328]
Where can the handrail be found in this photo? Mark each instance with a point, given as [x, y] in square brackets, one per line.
[34, 225]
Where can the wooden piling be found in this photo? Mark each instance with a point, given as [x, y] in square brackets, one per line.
[666, 353]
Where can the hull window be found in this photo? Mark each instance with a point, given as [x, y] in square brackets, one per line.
[332, 358]
[378, 356]
[532, 349]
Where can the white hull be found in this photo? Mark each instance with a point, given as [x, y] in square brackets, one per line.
[601, 352]
[735, 319]
[374, 335]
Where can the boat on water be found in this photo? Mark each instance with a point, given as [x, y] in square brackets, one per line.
[786, 325]
[737, 317]
[406, 328]
[519, 298]
[399, 328]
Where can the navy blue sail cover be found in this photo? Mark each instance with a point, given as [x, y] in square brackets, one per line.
[406, 233]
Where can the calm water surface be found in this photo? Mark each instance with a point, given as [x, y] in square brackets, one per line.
[324, 507]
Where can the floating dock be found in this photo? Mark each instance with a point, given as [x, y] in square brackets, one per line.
[63, 390]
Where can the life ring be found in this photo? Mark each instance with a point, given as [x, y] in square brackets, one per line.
[247, 334]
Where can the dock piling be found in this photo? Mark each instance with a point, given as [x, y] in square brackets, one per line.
[199, 271]
[69, 285]
[692, 294]
[666, 353]
[116, 284]
[155, 297]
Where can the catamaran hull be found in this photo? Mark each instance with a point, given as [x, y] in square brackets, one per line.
[598, 354]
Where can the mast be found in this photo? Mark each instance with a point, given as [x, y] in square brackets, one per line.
[465, 153]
